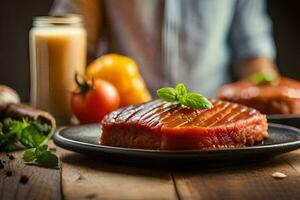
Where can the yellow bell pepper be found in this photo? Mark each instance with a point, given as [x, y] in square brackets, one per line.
[123, 73]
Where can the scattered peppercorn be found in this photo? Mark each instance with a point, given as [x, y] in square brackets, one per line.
[4, 161]
[8, 173]
[24, 179]
[11, 157]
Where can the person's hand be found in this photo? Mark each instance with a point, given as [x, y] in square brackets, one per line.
[245, 68]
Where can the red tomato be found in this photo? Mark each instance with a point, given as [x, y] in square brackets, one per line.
[94, 100]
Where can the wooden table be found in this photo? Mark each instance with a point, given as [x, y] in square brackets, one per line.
[81, 177]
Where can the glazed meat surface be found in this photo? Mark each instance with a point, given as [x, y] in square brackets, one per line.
[281, 97]
[158, 125]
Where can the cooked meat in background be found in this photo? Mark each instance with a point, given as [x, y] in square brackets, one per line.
[159, 125]
[280, 97]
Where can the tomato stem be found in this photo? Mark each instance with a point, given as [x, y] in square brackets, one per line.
[82, 84]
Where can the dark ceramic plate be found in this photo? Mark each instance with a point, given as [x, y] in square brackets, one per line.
[84, 139]
[291, 120]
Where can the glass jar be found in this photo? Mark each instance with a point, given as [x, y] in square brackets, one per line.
[57, 51]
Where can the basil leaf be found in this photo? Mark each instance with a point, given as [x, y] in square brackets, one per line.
[29, 155]
[168, 94]
[180, 95]
[263, 77]
[195, 100]
[40, 156]
[181, 99]
[46, 158]
[181, 90]
[40, 149]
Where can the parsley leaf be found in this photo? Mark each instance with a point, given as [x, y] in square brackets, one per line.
[180, 95]
[40, 156]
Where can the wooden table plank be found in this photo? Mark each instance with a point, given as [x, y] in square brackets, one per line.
[85, 178]
[293, 159]
[252, 181]
[43, 183]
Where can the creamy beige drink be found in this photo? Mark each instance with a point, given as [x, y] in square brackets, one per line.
[57, 51]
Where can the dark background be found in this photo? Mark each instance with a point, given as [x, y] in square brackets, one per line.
[16, 18]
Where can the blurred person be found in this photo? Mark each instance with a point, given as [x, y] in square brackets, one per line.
[189, 41]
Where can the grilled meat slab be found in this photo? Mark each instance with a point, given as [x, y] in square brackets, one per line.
[280, 97]
[159, 125]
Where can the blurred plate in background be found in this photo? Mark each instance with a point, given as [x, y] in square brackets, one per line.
[291, 120]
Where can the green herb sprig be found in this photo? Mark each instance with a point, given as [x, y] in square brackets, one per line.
[8, 140]
[180, 95]
[261, 77]
[33, 135]
[40, 156]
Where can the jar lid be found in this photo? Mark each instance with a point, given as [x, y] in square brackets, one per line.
[71, 19]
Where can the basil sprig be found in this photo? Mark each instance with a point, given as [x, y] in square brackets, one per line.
[180, 95]
[261, 77]
[31, 134]
[40, 156]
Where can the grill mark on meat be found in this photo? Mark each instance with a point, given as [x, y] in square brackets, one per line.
[233, 115]
[176, 115]
[128, 112]
[234, 108]
[157, 115]
[126, 115]
[205, 113]
[162, 117]
[149, 112]
[210, 116]
[188, 118]
[243, 114]
[132, 114]
[123, 113]
[144, 109]
[112, 116]
[153, 123]
[218, 114]
[176, 119]
[152, 112]
[156, 119]
[222, 115]
[253, 112]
